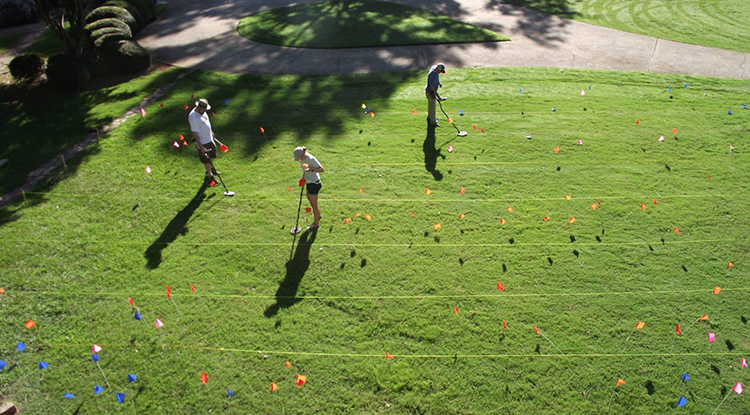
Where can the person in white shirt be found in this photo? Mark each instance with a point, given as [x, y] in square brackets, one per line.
[203, 135]
[312, 169]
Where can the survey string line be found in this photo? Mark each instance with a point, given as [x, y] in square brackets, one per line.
[500, 296]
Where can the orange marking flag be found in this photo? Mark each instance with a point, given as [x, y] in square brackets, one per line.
[643, 206]
[546, 218]
[557, 150]
[653, 200]
[437, 226]
[594, 206]
[676, 231]
[640, 325]
[461, 216]
[717, 290]
[289, 365]
[357, 215]
[367, 216]
[729, 265]
[455, 309]
[300, 379]
[30, 324]
[412, 214]
[462, 190]
[204, 377]
[567, 197]
[500, 286]
[679, 332]
[502, 221]
[274, 387]
[537, 331]
[347, 220]
[428, 192]
[505, 325]
[619, 382]
[572, 220]
[704, 317]
[360, 191]
[389, 356]
[509, 209]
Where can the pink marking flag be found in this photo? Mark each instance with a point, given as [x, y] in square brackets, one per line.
[96, 349]
[158, 323]
[744, 363]
[176, 144]
[711, 337]
[737, 388]
[143, 112]
[450, 148]
[148, 169]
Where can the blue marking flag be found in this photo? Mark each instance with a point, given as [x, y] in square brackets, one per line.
[685, 377]
[69, 396]
[687, 86]
[95, 357]
[729, 112]
[3, 363]
[226, 101]
[20, 346]
[520, 90]
[554, 109]
[131, 378]
[43, 365]
[120, 397]
[98, 389]
[589, 87]
[669, 90]
[682, 402]
[230, 393]
[137, 316]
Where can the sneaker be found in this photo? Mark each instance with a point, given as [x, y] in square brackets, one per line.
[313, 227]
[215, 173]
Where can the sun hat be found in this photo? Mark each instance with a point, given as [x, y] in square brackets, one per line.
[203, 103]
[441, 66]
[298, 153]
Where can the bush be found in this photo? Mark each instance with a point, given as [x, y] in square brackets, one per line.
[132, 9]
[127, 57]
[112, 12]
[26, 67]
[110, 22]
[107, 40]
[15, 13]
[65, 73]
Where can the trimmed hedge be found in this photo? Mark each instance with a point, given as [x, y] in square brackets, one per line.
[26, 67]
[132, 9]
[109, 22]
[127, 56]
[112, 12]
[65, 73]
[103, 37]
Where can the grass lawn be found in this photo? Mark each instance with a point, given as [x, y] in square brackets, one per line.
[6, 42]
[352, 292]
[347, 24]
[717, 23]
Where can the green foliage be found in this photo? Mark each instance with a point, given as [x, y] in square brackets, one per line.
[26, 67]
[106, 36]
[107, 12]
[110, 22]
[334, 306]
[7, 41]
[719, 24]
[127, 57]
[66, 73]
[344, 24]
[131, 8]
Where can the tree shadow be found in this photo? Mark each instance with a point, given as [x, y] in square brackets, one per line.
[431, 153]
[176, 227]
[286, 295]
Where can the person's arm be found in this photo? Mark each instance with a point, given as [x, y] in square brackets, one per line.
[198, 142]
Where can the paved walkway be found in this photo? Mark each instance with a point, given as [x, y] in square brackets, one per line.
[202, 35]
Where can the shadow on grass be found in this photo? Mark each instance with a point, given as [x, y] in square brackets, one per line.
[431, 153]
[176, 227]
[286, 295]
[39, 123]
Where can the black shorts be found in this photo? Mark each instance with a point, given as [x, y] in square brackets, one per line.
[313, 188]
[210, 150]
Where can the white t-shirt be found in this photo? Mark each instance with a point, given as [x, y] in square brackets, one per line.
[312, 163]
[199, 123]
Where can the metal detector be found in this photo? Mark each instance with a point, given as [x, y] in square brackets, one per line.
[460, 133]
[296, 229]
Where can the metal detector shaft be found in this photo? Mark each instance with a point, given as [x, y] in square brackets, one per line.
[213, 168]
[299, 207]
[449, 118]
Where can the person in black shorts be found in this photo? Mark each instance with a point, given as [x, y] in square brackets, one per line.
[312, 169]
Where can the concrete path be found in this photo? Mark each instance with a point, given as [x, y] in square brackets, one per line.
[202, 35]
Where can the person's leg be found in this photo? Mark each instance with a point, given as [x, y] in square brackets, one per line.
[313, 199]
[208, 169]
[431, 116]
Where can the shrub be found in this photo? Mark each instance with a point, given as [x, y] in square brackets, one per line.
[26, 67]
[65, 73]
[107, 35]
[127, 56]
[109, 22]
[110, 12]
[132, 9]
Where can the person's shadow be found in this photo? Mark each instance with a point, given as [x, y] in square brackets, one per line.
[177, 226]
[286, 295]
[431, 153]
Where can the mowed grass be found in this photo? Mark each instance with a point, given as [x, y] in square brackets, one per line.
[347, 24]
[109, 231]
[717, 24]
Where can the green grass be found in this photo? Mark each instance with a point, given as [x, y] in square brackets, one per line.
[108, 231]
[717, 23]
[47, 45]
[347, 24]
[36, 130]
[7, 42]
